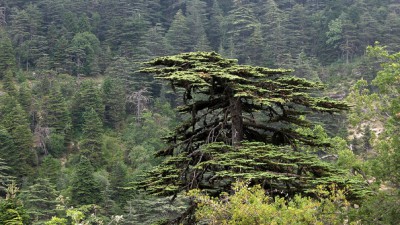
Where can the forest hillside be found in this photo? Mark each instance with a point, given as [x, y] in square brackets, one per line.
[199, 112]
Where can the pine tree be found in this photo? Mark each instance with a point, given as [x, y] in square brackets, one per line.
[214, 27]
[88, 96]
[25, 97]
[178, 34]
[26, 35]
[202, 44]
[299, 30]
[60, 55]
[7, 149]
[273, 32]
[5, 177]
[92, 141]
[240, 25]
[16, 123]
[196, 21]
[132, 37]
[50, 169]
[255, 48]
[7, 57]
[156, 43]
[40, 200]
[57, 114]
[118, 182]
[84, 188]
[8, 83]
[114, 101]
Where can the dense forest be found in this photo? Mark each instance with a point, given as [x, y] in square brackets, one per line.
[199, 112]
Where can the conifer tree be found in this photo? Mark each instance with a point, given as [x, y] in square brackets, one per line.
[118, 182]
[156, 42]
[40, 200]
[25, 97]
[84, 188]
[214, 28]
[273, 32]
[12, 210]
[60, 56]
[5, 177]
[243, 124]
[91, 143]
[178, 34]
[57, 114]
[240, 25]
[114, 102]
[7, 56]
[16, 123]
[87, 97]
[50, 169]
[8, 83]
[196, 20]
[7, 149]
[255, 48]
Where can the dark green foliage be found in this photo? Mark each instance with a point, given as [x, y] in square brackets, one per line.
[214, 30]
[84, 188]
[26, 33]
[84, 50]
[7, 148]
[16, 124]
[7, 57]
[57, 113]
[8, 83]
[40, 200]
[143, 209]
[178, 34]
[223, 100]
[5, 178]
[156, 42]
[144, 140]
[60, 55]
[12, 210]
[92, 138]
[87, 97]
[381, 208]
[118, 183]
[25, 96]
[114, 102]
[56, 144]
[240, 25]
[50, 169]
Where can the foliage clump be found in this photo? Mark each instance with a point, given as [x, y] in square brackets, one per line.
[250, 205]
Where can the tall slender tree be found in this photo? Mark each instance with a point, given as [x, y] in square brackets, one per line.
[88, 96]
[57, 113]
[7, 56]
[91, 143]
[84, 188]
[178, 34]
[114, 101]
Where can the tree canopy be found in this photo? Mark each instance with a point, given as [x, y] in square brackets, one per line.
[242, 122]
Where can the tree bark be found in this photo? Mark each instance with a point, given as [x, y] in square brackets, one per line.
[237, 120]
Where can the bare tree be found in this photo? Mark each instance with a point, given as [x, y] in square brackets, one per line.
[139, 100]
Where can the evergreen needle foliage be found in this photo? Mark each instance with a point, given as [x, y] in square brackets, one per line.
[241, 124]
